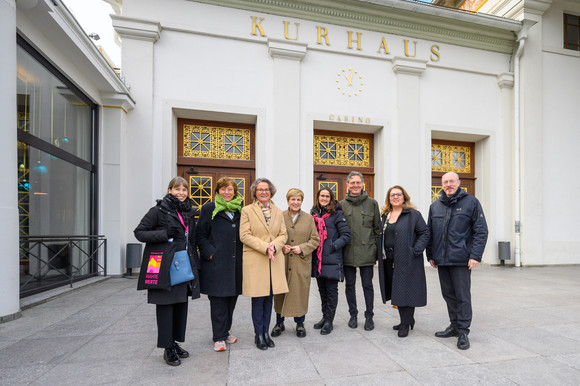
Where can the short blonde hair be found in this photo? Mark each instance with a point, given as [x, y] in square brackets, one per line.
[294, 192]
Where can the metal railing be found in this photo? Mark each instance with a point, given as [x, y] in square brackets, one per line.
[53, 261]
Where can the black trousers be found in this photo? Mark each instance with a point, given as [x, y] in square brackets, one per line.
[297, 319]
[171, 323]
[262, 313]
[221, 311]
[456, 290]
[366, 277]
[328, 289]
[407, 315]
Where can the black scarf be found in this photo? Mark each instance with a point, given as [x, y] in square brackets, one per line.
[183, 207]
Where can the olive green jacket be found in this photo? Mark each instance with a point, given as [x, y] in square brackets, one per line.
[364, 220]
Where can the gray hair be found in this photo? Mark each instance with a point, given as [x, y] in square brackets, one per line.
[258, 181]
[355, 173]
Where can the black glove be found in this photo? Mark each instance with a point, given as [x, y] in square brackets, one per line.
[173, 231]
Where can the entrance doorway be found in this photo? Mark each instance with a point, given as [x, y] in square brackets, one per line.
[210, 150]
[336, 154]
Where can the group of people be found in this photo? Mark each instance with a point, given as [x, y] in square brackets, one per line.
[270, 255]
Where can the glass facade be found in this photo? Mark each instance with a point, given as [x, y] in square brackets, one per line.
[56, 175]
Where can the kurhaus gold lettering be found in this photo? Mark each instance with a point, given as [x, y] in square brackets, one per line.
[358, 40]
[286, 31]
[322, 32]
[407, 49]
[257, 25]
[435, 51]
[383, 46]
[322, 38]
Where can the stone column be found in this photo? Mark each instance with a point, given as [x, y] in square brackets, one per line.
[284, 139]
[9, 285]
[141, 156]
[114, 222]
[504, 175]
[410, 168]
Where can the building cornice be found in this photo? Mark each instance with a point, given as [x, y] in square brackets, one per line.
[398, 17]
[286, 50]
[128, 27]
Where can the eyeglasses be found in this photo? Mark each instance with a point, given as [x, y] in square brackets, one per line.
[262, 190]
[396, 195]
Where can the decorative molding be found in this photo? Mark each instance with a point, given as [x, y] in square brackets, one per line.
[118, 100]
[409, 66]
[505, 80]
[402, 18]
[284, 49]
[138, 29]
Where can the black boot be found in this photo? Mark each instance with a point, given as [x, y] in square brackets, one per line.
[318, 326]
[170, 356]
[327, 328]
[403, 330]
[261, 342]
[277, 330]
[268, 340]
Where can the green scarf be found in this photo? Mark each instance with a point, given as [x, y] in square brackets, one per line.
[235, 205]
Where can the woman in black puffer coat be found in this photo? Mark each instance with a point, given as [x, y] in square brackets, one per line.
[163, 229]
[327, 264]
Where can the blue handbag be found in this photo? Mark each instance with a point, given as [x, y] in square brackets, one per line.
[180, 270]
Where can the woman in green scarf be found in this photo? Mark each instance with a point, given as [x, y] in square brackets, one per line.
[218, 240]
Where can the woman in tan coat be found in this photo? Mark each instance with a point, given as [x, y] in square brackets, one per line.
[302, 241]
[263, 234]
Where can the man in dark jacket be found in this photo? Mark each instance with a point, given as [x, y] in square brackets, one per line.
[458, 236]
[364, 220]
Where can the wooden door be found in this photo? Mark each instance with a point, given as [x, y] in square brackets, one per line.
[337, 183]
[203, 181]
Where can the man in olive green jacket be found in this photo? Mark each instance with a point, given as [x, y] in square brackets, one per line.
[364, 220]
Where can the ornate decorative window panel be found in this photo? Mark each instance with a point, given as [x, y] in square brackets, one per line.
[341, 151]
[216, 142]
[200, 190]
[449, 158]
[332, 186]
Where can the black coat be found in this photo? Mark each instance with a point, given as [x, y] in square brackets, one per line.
[458, 230]
[337, 236]
[220, 239]
[153, 230]
[408, 287]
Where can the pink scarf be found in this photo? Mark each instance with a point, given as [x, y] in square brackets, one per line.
[321, 227]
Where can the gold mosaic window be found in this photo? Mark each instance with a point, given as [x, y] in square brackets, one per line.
[450, 158]
[436, 191]
[332, 186]
[241, 182]
[341, 151]
[216, 142]
[200, 190]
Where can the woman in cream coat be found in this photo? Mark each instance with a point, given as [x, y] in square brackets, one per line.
[263, 233]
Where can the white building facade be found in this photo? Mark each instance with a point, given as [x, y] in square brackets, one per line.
[303, 92]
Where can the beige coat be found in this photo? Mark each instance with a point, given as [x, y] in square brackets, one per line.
[298, 267]
[256, 235]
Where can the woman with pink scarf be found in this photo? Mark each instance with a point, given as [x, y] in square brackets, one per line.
[327, 265]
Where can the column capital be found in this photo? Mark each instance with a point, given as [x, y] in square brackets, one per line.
[131, 28]
[284, 49]
[118, 100]
[505, 80]
[409, 66]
